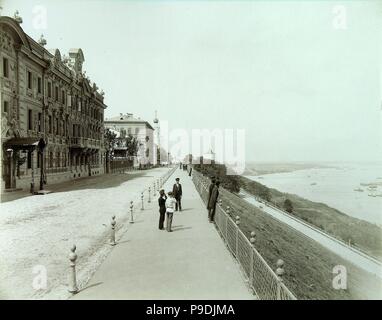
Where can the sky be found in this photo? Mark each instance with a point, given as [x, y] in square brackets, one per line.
[302, 79]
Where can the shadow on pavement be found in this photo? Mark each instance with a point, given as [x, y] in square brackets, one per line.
[92, 285]
[104, 181]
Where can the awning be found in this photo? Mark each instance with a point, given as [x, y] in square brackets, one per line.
[27, 143]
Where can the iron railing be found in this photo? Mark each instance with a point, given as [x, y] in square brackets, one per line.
[266, 284]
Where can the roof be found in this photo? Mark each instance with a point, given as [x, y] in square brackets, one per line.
[128, 118]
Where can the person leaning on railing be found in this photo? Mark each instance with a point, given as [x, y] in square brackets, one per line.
[211, 205]
[210, 188]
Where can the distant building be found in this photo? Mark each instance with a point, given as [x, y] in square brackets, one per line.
[46, 99]
[127, 124]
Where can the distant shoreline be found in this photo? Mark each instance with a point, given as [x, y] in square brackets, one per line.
[264, 168]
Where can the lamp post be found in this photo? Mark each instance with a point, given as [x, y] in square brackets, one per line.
[41, 147]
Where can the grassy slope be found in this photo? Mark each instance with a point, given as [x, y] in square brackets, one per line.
[308, 265]
[364, 235]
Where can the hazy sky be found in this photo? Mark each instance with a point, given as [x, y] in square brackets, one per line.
[302, 89]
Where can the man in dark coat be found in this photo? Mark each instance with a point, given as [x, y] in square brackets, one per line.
[162, 208]
[177, 191]
[213, 181]
[211, 206]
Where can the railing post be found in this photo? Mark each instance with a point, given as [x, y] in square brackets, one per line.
[131, 212]
[252, 239]
[226, 222]
[154, 188]
[142, 208]
[112, 233]
[149, 195]
[237, 218]
[280, 272]
[72, 276]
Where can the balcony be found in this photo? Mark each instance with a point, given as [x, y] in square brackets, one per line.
[91, 143]
[77, 142]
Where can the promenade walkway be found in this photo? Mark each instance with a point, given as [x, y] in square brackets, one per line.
[190, 263]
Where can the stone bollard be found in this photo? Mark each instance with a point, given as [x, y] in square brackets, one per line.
[154, 188]
[220, 202]
[131, 212]
[228, 210]
[72, 276]
[142, 208]
[280, 272]
[112, 232]
[237, 218]
[149, 195]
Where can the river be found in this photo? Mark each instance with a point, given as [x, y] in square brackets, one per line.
[335, 186]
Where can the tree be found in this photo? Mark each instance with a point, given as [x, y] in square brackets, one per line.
[132, 145]
[288, 206]
[110, 139]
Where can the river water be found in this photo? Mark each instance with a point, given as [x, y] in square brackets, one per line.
[335, 187]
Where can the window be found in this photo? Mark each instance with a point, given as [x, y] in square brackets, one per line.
[5, 106]
[30, 120]
[5, 68]
[29, 76]
[63, 97]
[58, 159]
[50, 124]
[39, 121]
[29, 160]
[39, 85]
[49, 89]
[56, 93]
[57, 126]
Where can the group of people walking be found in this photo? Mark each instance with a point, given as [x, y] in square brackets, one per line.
[172, 202]
[168, 204]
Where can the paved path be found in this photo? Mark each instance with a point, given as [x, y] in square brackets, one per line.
[189, 263]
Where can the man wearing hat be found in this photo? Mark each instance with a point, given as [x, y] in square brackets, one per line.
[177, 191]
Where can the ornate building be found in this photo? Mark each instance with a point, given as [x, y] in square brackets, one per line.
[127, 124]
[51, 114]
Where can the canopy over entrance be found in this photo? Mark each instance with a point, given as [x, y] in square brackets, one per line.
[25, 143]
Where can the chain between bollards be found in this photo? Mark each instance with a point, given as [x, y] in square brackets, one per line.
[112, 232]
[72, 275]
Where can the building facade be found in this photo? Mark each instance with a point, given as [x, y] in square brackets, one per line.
[51, 114]
[127, 124]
